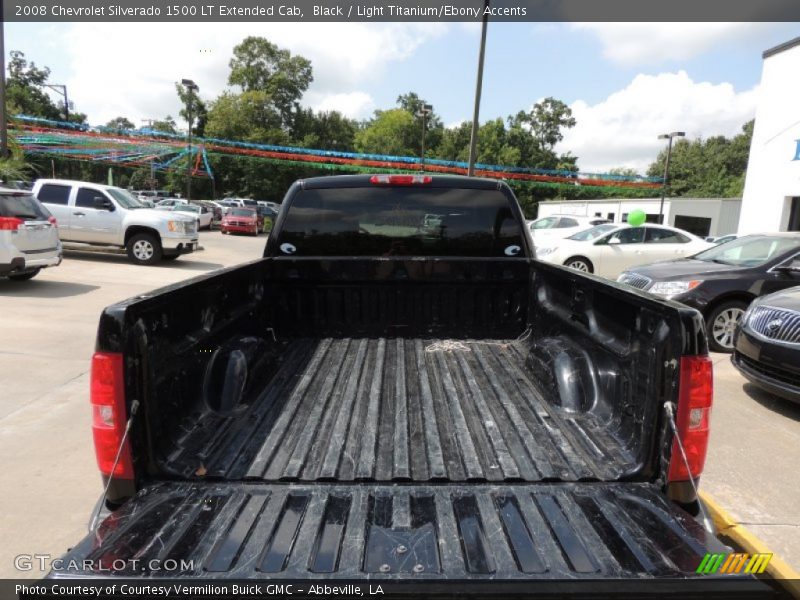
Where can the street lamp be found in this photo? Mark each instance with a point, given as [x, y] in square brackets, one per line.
[666, 136]
[192, 88]
[424, 111]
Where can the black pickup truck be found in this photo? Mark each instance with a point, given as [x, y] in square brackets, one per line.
[397, 391]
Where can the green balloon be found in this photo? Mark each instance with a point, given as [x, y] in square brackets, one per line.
[636, 217]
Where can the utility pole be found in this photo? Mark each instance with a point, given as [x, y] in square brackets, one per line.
[666, 136]
[3, 115]
[424, 111]
[191, 86]
[473, 138]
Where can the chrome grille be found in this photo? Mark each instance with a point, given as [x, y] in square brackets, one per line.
[776, 324]
[636, 280]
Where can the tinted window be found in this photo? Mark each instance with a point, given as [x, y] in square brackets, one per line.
[656, 235]
[54, 194]
[86, 196]
[401, 221]
[22, 206]
[567, 222]
[631, 235]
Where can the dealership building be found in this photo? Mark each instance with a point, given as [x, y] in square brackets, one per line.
[771, 200]
[700, 216]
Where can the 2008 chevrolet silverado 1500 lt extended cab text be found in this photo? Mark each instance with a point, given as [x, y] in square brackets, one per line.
[398, 391]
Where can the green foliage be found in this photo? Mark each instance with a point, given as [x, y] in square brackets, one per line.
[25, 93]
[259, 65]
[390, 132]
[166, 125]
[120, 123]
[199, 111]
[711, 168]
[249, 116]
[324, 130]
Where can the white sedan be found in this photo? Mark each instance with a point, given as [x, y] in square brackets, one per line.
[203, 215]
[611, 252]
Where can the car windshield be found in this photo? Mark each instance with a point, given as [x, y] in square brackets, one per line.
[749, 251]
[242, 212]
[592, 232]
[125, 199]
[545, 223]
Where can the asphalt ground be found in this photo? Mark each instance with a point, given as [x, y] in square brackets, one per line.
[50, 479]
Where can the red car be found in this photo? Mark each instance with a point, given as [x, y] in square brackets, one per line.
[240, 220]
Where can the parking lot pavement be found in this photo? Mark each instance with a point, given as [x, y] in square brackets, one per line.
[47, 335]
[47, 330]
[753, 458]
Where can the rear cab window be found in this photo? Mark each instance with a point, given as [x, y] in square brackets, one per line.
[52, 193]
[400, 221]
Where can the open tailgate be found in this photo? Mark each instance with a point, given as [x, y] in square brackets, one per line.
[542, 532]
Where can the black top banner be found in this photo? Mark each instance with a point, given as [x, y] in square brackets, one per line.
[401, 10]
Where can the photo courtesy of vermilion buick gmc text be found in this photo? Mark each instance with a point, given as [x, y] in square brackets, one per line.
[398, 391]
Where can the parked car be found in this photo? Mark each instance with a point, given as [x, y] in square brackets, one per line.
[104, 215]
[621, 248]
[722, 281]
[167, 202]
[767, 342]
[240, 220]
[561, 226]
[266, 218]
[722, 239]
[202, 214]
[264, 416]
[273, 205]
[215, 208]
[28, 236]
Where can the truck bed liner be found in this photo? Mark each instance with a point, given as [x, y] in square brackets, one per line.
[395, 409]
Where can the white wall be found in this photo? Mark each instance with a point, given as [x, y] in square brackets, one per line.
[773, 170]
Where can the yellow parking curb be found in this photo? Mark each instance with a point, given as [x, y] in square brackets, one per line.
[728, 527]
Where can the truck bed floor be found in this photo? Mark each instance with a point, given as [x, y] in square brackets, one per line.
[394, 409]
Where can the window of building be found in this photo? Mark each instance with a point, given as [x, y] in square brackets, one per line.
[700, 226]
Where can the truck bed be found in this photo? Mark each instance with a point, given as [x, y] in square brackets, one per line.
[398, 409]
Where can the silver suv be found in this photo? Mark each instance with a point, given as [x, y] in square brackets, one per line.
[28, 236]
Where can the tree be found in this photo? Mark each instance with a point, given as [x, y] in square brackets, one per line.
[323, 130]
[165, 125]
[249, 116]
[199, 110]
[259, 65]
[547, 119]
[24, 89]
[624, 172]
[390, 132]
[412, 103]
[120, 123]
[714, 167]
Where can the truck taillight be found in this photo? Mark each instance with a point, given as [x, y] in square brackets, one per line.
[109, 415]
[400, 179]
[10, 223]
[695, 397]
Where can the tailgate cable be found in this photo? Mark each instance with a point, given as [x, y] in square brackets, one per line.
[102, 502]
[669, 408]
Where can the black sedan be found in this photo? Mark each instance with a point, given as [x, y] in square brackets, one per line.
[768, 344]
[722, 281]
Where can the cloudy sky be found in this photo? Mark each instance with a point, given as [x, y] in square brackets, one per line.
[626, 83]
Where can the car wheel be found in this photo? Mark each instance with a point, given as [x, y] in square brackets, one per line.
[579, 263]
[721, 325]
[25, 276]
[144, 249]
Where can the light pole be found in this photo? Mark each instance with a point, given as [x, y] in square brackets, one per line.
[3, 117]
[192, 88]
[61, 89]
[424, 111]
[666, 136]
[473, 138]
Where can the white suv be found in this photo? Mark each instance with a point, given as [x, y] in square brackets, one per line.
[28, 236]
[104, 215]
